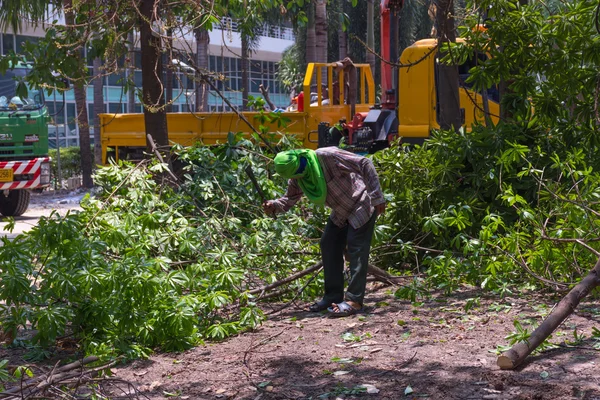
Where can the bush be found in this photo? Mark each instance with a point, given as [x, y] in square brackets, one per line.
[70, 163]
[147, 265]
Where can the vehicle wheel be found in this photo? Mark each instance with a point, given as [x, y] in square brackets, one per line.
[15, 204]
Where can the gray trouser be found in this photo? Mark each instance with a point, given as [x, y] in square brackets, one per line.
[333, 244]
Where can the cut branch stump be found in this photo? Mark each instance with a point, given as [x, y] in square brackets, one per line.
[515, 356]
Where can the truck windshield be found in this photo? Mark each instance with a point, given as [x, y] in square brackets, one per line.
[9, 101]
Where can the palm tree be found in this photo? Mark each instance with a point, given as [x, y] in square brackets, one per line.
[98, 107]
[169, 71]
[153, 96]
[371, 33]
[250, 16]
[81, 104]
[342, 37]
[311, 35]
[321, 34]
[98, 103]
[449, 107]
[131, 70]
[202, 42]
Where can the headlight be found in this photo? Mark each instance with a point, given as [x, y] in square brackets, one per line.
[45, 174]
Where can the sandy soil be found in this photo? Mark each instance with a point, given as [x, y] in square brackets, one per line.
[396, 350]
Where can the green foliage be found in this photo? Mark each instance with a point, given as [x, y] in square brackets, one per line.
[4, 375]
[514, 203]
[70, 162]
[483, 208]
[146, 265]
[290, 71]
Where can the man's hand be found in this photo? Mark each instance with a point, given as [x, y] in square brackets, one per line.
[380, 208]
[269, 207]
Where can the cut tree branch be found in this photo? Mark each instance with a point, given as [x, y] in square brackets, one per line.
[265, 92]
[56, 375]
[517, 354]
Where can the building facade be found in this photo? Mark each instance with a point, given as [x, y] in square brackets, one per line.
[224, 50]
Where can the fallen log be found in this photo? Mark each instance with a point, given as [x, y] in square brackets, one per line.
[515, 356]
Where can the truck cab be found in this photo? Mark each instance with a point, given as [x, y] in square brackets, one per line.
[24, 161]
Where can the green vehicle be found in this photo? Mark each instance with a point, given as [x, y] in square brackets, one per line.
[24, 161]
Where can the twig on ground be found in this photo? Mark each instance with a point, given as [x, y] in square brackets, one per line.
[253, 347]
[286, 280]
[297, 294]
[400, 366]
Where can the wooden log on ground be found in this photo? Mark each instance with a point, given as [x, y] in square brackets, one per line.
[515, 356]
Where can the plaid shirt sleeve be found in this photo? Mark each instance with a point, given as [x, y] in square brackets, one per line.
[290, 198]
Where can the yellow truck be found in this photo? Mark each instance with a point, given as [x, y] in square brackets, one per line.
[366, 126]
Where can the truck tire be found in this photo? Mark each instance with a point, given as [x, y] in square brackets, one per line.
[15, 204]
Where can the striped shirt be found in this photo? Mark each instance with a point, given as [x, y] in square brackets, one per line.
[353, 188]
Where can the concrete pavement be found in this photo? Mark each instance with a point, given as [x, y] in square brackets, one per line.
[41, 205]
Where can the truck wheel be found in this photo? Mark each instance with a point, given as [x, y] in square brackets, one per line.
[15, 204]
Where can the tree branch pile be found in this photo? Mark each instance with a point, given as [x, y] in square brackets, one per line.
[73, 380]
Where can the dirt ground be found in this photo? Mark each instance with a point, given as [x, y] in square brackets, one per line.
[395, 350]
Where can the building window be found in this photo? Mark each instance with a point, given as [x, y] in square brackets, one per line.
[138, 59]
[91, 114]
[115, 108]
[22, 39]
[8, 43]
[71, 116]
[117, 79]
[137, 79]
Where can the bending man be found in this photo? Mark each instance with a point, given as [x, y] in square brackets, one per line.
[349, 185]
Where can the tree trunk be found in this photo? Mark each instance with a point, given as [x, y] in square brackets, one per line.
[311, 49]
[81, 105]
[169, 72]
[515, 356]
[245, 70]
[449, 116]
[321, 32]
[98, 108]
[202, 42]
[370, 34]
[342, 39]
[153, 96]
[131, 72]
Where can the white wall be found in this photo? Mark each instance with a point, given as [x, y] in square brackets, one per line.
[229, 44]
